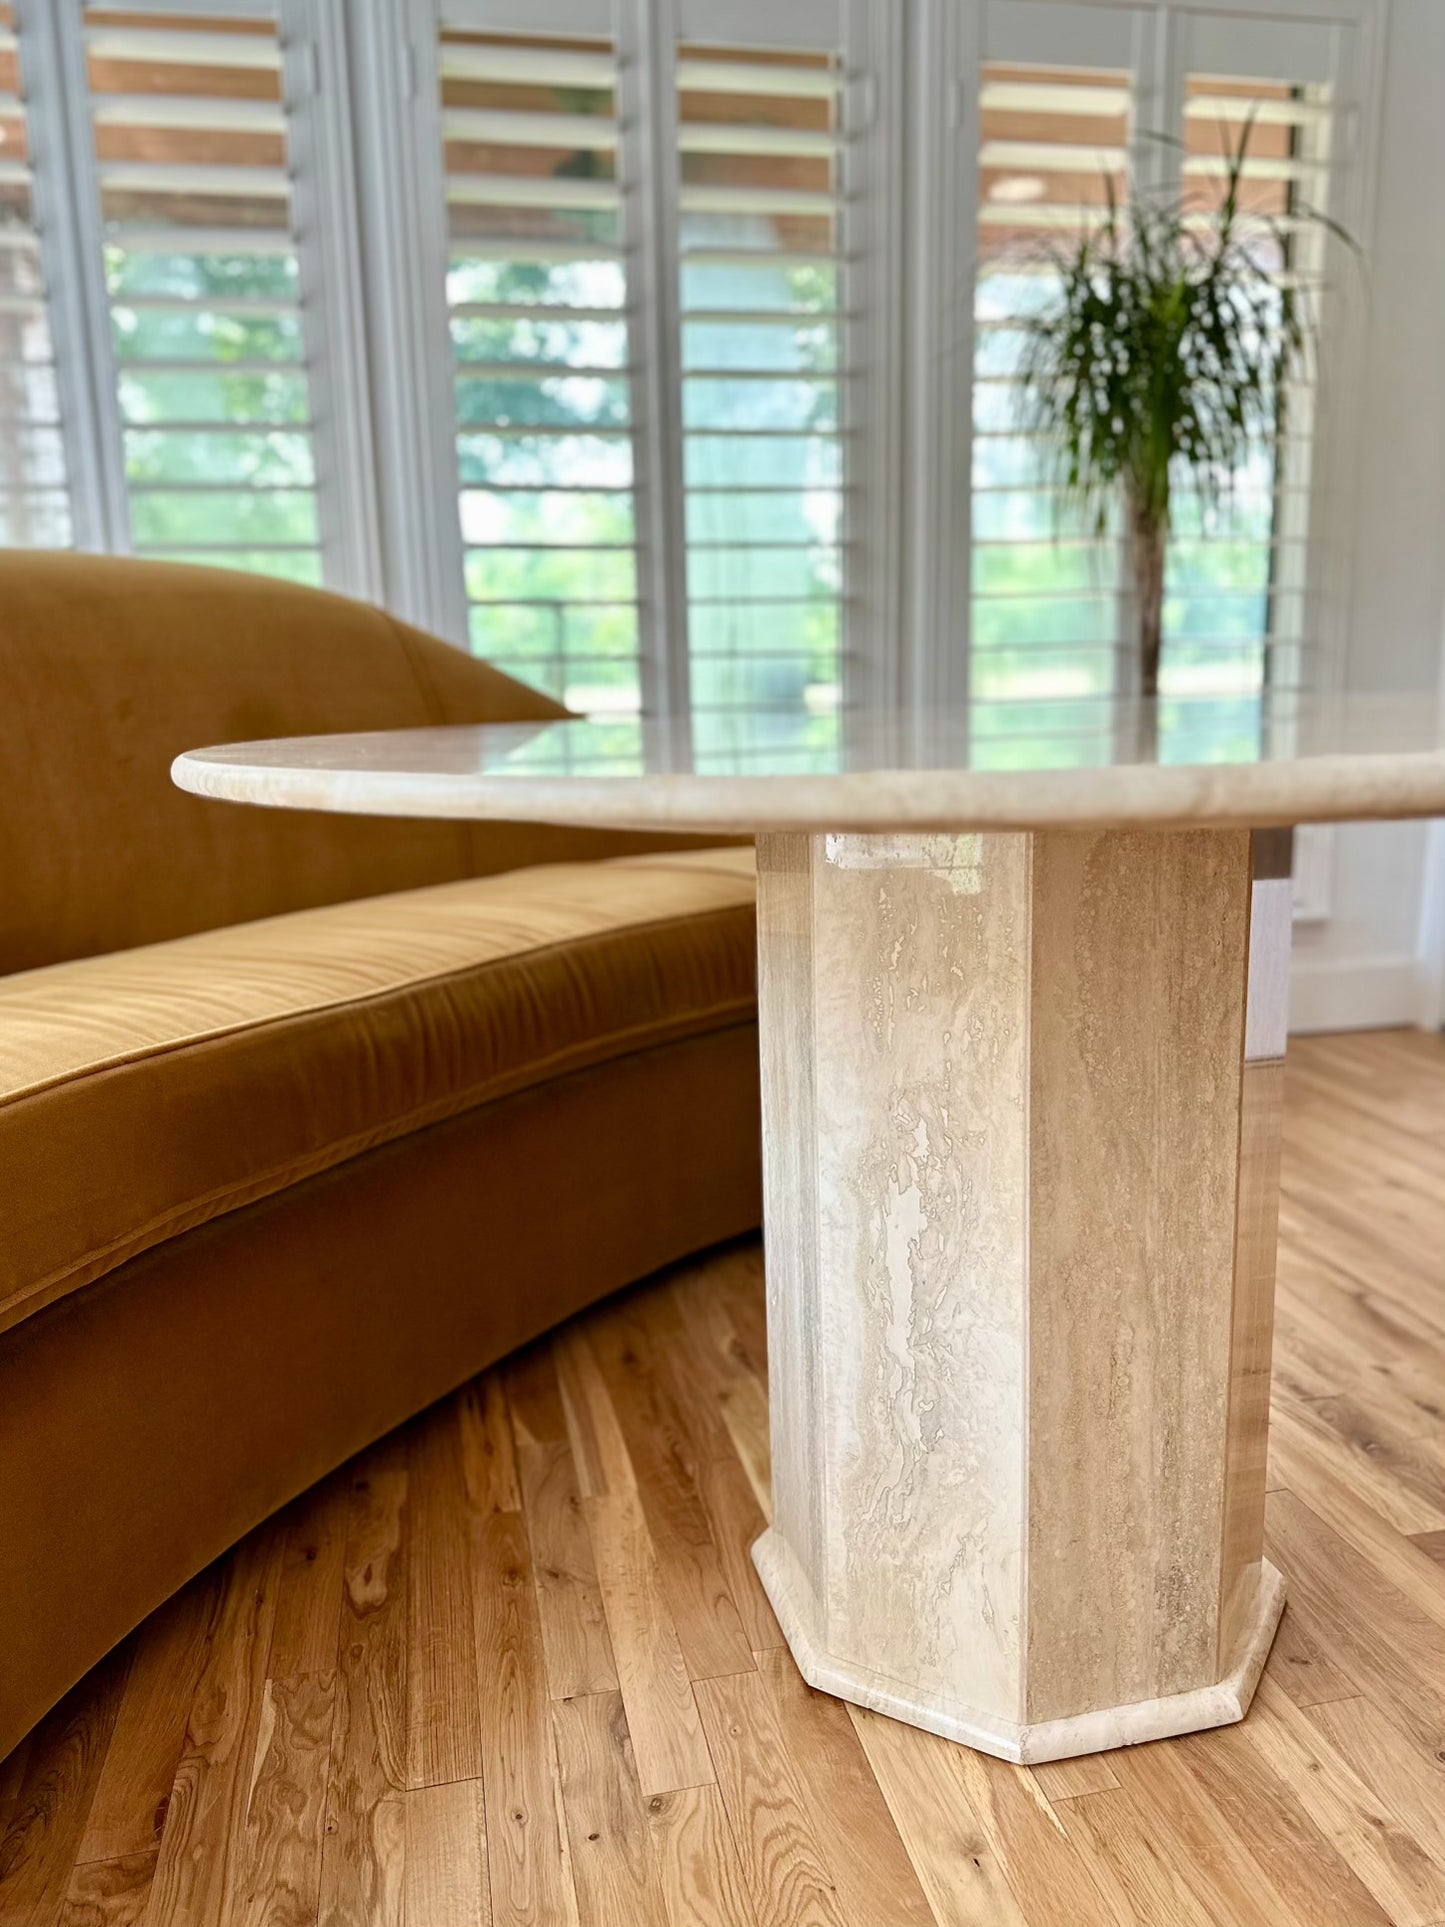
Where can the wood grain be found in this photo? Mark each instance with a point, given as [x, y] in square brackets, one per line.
[787, 1875]
[109, 1893]
[575, 1639]
[307, 1629]
[614, 1867]
[360, 1868]
[277, 1876]
[444, 1849]
[217, 1769]
[443, 1741]
[168, 1652]
[529, 1880]
[225, 1745]
[47, 1821]
[702, 1879]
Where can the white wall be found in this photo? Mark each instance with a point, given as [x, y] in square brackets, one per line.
[1370, 961]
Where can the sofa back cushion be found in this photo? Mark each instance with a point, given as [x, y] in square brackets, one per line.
[110, 667]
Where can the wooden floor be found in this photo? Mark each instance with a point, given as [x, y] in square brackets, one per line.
[513, 1665]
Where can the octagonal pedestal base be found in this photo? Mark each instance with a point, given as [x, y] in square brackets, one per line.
[1064, 1739]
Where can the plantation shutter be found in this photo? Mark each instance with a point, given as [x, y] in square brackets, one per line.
[1249, 588]
[1056, 117]
[538, 311]
[208, 337]
[34, 497]
[762, 291]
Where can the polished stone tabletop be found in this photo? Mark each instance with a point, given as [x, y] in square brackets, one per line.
[1091, 763]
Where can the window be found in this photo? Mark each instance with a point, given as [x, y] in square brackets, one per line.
[664, 355]
[1048, 605]
[34, 501]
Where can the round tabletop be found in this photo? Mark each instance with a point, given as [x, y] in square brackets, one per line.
[1085, 764]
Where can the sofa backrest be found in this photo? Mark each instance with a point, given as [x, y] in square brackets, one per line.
[110, 667]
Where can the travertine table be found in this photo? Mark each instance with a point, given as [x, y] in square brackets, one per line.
[1023, 1032]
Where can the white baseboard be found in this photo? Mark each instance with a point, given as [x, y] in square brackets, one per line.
[1373, 993]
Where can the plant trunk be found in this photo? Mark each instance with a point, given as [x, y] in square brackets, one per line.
[1148, 533]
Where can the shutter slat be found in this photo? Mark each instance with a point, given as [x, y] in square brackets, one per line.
[166, 46]
[521, 190]
[503, 127]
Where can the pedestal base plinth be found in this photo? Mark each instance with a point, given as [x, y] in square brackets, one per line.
[1064, 1739]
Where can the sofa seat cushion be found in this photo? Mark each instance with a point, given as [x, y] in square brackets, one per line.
[148, 1091]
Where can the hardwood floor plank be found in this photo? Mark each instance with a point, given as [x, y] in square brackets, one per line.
[614, 1868]
[662, 1716]
[1332, 1498]
[12, 1778]
[738, 1282]
[47, 1822]
[662, 1713]
[534, 1399]
[1051, 1873]
[307, 1632]
[665, 1469]
[1392, 1474]
[444, 1855]
[737, 1523]
[767, 1805]
[855, 1830]
[109, 1893]
[1432, 1544]
[1383, 1639]
[574, 1624]
[362, 1847]
[167, 1655]
[489, 1465]
[958, 1866]
[526, 1865]
[576, 1377]
[704, 1356]
[1067, 1779]
[1302, 1669]
[206, 1821]
[1407, 1883]
[702, 1877]
[745, 1413]
[1403, 1770]
[1159, 1883]
[276, 1874]
[443, 1742]
[1263, 1815]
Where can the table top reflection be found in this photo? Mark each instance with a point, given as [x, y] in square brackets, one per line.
[1084, 764]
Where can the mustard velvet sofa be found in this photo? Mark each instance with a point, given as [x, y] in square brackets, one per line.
[303, 1119]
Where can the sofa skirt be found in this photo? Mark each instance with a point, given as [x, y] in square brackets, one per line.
[153, 1418]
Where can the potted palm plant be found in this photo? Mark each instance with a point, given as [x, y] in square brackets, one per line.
[1162, 363]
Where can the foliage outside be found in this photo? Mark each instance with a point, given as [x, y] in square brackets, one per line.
[1161, 365]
